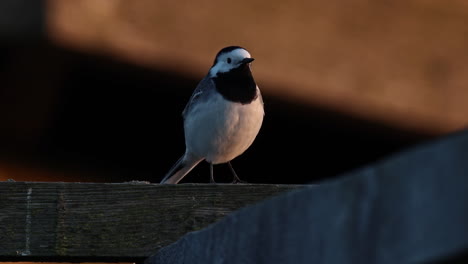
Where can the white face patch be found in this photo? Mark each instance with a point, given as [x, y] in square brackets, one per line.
[230, 60]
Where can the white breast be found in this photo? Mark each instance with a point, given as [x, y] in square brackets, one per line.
[219, 130]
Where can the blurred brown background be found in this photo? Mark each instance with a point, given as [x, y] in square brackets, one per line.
[93, 90]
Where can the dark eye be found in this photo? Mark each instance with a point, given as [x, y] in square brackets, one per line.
[228, 60]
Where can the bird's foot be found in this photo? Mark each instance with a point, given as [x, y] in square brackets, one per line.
[238, 181]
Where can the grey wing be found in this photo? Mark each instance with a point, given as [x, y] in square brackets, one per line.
[205, 86]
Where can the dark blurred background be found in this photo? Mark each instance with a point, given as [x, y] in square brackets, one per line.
[94, 90]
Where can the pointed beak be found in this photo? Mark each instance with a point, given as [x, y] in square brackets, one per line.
[247, 60]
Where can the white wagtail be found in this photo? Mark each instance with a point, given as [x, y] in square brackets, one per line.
[223, 116]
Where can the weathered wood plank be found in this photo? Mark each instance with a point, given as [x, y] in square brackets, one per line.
[70, 221]
[409, 208]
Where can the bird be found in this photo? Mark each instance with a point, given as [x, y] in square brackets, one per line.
[222, 117]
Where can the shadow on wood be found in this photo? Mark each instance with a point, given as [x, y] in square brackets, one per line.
[411, 208]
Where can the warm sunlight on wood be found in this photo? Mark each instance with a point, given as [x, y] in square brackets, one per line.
[401, 63]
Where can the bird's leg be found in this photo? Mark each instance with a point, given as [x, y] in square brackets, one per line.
[234, 174]
[211, 174]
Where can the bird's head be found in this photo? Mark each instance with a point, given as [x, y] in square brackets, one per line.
[230, 58]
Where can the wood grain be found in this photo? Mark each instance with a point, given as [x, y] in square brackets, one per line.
[111, 222]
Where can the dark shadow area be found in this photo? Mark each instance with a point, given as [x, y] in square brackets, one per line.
[82, 112]
[461, 257]
[411, 208]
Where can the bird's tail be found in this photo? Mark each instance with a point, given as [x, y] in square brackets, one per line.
[183, 166]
